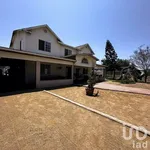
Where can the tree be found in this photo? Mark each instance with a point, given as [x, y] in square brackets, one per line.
[122, 63]
[111, 57]
[141, 59]
[130, 74]
[91, 82]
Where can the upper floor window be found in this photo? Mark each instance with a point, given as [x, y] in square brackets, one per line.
[68, 52]
[85, 61]
[44, 46]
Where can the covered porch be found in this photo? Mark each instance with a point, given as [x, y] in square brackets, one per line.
[81, 73]
[24, 70]
[16, 74]
[52, 74]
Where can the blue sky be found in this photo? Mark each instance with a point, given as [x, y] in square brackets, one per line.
[126, 23]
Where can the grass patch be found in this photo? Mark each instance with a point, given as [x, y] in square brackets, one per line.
[130, 84]
[123, 81]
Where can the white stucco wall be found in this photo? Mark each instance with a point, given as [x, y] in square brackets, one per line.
[85, 50]
[91, 61]
[54, 83]
[100, 69]
[19, 36]
[62, 51]
[30, 42]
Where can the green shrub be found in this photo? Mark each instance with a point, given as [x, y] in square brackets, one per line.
[127, 81]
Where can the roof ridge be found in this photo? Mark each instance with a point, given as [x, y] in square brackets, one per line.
[35, 27]
[83, 45]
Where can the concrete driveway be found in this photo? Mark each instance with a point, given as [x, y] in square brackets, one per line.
[113, 87]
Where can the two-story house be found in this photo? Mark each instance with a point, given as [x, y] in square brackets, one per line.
[37, 58]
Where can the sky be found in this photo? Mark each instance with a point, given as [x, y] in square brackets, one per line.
[126, 23]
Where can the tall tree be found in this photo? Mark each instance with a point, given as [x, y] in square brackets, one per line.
[111, 57]
[141, 59]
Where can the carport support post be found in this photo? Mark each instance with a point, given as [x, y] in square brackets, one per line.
[72, 72]
[37, 74]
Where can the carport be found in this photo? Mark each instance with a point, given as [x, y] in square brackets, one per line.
[22, 70]
[16, 74]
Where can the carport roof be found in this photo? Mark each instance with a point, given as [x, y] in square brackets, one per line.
[33, 54]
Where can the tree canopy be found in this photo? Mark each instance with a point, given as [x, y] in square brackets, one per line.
[141, 59]
[110, 57]
[110, 54]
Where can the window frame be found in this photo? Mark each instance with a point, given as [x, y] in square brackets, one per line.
[44, 46]
[84, 61]
[68, 52]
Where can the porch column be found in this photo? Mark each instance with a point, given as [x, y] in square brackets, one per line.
[37, 74]
[72, 72]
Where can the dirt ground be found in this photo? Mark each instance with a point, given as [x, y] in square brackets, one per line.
[40, 121]
[136, 85]
[133, 108]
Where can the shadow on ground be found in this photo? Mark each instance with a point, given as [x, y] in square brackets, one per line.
[36, 90]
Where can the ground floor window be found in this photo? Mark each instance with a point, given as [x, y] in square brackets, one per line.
[55, 71]
[85, 61]
[45, 72]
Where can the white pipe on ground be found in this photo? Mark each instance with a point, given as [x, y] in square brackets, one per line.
[103, 114]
